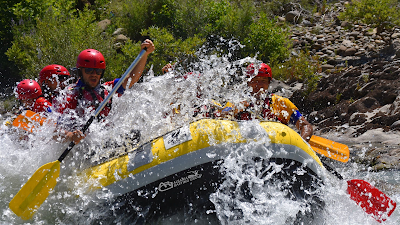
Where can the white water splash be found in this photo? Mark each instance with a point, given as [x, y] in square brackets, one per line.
[149, 108]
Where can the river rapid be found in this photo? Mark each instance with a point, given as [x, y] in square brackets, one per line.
[148, 107]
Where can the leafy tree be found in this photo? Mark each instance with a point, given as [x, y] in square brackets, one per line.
[59, 39]
[8, 71]
[169, 49]
[269, 41]
[133, 15]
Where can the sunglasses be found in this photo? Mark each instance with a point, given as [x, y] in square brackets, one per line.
[91, 70]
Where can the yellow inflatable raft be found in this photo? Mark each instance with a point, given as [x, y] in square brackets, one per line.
[184, 166]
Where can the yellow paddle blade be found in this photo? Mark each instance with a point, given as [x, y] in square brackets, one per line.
[27, 201]
[330, 149]
[28, 120]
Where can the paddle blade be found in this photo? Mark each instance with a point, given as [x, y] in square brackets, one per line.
[330, 149]
[372, 200]
[26, 202]
[28, 120]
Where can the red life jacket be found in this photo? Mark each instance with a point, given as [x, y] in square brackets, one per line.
[83, 98]
[41, 105]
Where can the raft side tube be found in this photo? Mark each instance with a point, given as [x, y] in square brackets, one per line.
[202, 142]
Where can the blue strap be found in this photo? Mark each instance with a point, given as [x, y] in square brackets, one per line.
[121, 89]
[295, 117]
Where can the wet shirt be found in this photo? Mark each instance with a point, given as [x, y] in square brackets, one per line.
[82, 100]
[273, 107]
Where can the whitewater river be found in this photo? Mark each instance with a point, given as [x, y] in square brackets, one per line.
[148, 108]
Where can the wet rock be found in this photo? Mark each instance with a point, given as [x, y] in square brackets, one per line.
[118, 31]
[363, 105]
[357, 119]
[121, 38]
[307, 23]
[341, 50]
[395, 125]
[281, 19]
[293, 17]
[344, 24]
[103, 25]
[395, 35]
[354, 34]
[317, 46]
[350, 51]
[386, 159]
[395, 107]
[327, 67]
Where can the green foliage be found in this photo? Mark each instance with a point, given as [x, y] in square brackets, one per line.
[203, 17]
[269, 41]
[163, 13]
[59, 40]
[380, 13]
[358, 87]
[134, 16]
[9, 103]
[184, 18]
[6, 19]
[169, 49]
[302, 68]
[365, 78]
[338, 97]
[233, 20]
[283, 6]
[31, 9]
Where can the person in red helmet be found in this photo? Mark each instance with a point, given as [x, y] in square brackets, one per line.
[30, 95]
[266, 106]
[52, 79]
[87, 94]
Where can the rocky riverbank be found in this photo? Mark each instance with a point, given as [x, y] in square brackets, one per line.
[357, 98]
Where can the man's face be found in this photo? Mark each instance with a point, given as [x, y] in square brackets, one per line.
[91, 79]
[56, 82]
[259, 84]
[52, 83]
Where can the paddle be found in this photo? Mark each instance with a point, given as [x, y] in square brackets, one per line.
[370, 198]
[330, 149]
[29, 198]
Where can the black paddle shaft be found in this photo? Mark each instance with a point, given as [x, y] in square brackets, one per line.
[334, 172]
[105, 101]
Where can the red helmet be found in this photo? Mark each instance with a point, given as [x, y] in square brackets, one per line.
[28, 89]
[91, 58]
[48, 71]
[263, 71]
